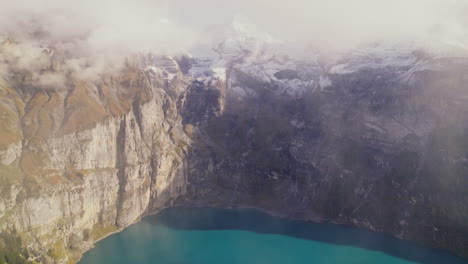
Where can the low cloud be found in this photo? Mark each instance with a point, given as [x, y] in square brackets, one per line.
[84, 38]
[93, 36]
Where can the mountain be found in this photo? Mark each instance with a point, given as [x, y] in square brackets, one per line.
[375, 138]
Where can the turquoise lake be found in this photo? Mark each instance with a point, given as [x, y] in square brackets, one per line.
[209, 236]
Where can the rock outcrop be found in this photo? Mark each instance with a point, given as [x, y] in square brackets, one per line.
[378, 143]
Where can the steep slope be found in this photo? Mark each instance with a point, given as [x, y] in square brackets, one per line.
[85, 160]
[380, 145]
[375, 140]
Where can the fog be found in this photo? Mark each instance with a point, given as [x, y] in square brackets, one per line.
[343, 24]
[93, 35]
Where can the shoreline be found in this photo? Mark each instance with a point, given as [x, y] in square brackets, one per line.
[271, 212]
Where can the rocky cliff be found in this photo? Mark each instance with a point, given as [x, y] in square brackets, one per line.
[92, 158]
[377, 139]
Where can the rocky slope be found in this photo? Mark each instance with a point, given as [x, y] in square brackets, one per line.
[377, 139]
[80, 162]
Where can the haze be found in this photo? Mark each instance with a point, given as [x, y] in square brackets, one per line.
[96, 34]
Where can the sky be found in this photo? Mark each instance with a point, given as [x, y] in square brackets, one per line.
[339, 23]
[98, 33]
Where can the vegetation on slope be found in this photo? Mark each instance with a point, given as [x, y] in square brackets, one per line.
[11, 250]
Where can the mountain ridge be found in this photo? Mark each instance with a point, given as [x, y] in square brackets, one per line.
[377, 144]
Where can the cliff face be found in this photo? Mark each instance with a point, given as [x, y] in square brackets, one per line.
[368, 142]
[382, 148]
[90, 160]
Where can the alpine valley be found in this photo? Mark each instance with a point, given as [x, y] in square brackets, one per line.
[375, 138]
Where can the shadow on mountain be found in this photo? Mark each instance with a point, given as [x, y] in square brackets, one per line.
[333, 153]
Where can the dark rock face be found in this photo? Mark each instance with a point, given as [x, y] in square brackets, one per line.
[375, 142]
[286, 74]
[370, 150]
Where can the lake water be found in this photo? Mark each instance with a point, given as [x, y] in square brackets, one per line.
[216, 236]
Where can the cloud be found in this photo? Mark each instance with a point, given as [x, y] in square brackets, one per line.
[87, 37]
[93, 35]
[105, 25]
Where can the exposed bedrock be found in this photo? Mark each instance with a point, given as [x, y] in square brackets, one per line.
[382, 148]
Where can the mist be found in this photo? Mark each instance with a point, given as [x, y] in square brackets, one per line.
[94, 36]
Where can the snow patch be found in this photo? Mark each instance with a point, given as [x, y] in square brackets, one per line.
[324, 82]
[219, 73]
[375, 128]
[377, 57]
[297, 124]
